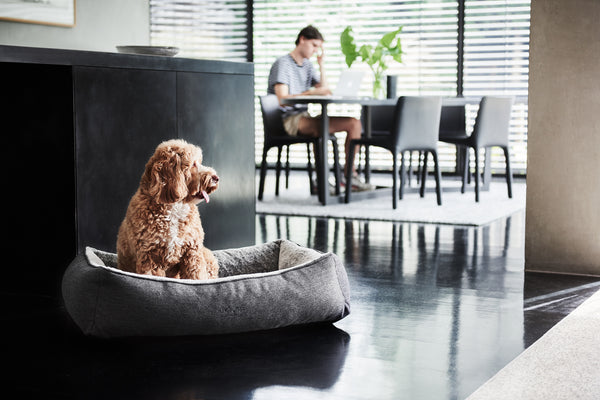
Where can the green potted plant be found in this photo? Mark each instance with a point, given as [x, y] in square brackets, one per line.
[389, 46]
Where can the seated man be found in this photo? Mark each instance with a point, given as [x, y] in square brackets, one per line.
[294, 75]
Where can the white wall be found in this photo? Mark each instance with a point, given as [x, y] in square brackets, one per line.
[100, 26]
[563, 167]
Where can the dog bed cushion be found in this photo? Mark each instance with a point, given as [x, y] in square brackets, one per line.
[266, 286]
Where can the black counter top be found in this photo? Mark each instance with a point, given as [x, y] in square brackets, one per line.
[36, 55]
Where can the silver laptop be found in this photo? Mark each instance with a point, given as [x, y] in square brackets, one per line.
[348, 86]
[349, 83]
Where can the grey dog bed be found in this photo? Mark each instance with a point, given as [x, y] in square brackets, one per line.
[267, 286]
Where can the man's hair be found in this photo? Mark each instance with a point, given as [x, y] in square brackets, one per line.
[310, 32]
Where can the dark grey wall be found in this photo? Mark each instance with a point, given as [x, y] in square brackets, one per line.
[100, 26]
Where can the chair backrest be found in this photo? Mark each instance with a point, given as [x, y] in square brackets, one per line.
[382, 119]
[417, 122]
[453, 122]
[492, 122]
[271, 114]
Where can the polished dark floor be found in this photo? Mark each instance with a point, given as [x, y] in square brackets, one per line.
[436, 311]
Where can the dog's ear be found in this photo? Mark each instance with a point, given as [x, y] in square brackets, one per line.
[166, 178]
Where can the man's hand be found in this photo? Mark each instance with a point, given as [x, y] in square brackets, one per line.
[282, 92]
[320, 56]
[320, 91]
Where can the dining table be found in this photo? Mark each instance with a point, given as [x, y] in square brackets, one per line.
[367, 104]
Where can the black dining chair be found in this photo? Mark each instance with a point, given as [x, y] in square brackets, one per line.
[491, 129]
[276, 136]
[382, 120]
[415, 128]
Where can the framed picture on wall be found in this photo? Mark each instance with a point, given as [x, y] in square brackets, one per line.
[46, 12]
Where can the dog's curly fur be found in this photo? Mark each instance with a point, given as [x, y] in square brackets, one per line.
[162, 233]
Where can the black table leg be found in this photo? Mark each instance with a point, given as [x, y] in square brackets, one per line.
[367, 129]
[323, 177]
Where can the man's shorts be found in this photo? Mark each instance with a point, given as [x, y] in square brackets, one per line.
[290, 123]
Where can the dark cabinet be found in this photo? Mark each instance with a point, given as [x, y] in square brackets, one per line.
[120, 117]
[224, 128]
[79, 128]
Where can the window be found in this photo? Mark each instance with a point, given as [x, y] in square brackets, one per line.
[469, 47]
[496, 61]
[202, 29]
[494, 51]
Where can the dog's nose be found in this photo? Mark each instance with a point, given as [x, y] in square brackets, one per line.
[215, 178]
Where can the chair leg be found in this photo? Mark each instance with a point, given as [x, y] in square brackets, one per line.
[476, 174]
[424, 174]
[309, 166]
[349, 174]
[336, 167]
[486, 170]
[278, 170]
[359, 161]
[438, 178]
[394, 180]
[508, 172]
[317, 150]
[367, 168]
[402, 175]
[466, 168]
[409, 172]
[263, 173]
[287, 167]
[419, 154]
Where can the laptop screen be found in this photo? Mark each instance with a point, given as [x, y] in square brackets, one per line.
[349, 83]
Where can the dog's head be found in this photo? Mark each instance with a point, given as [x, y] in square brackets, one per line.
[175, 173]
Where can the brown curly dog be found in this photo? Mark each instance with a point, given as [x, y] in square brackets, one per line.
[162, 233]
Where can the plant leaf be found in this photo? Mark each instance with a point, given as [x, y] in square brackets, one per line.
[377, 55]
[397, 54]
[394, 51]
[365, 52]
[369, 54]
[388, 38]
[348, 46]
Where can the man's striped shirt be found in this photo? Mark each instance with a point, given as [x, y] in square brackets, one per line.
[298, 78]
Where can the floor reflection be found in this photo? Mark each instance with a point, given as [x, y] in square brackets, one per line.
[436, 310]
[201, 367]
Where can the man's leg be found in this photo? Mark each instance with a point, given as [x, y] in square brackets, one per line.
[352, 127]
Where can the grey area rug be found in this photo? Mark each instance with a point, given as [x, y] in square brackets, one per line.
[456, 208]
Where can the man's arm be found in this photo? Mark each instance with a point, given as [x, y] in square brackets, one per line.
[283, 91]
[320, 61]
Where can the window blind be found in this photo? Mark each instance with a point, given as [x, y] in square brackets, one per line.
[429, 40]
[496, 62]
[202, 28]
[495, 49]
